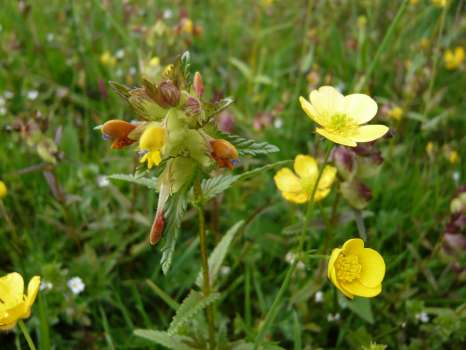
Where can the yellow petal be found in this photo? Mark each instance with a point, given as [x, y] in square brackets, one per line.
[311, 112]
[356, 288]
[327, 101]
[327, 178]
[360, 107]
[353, 246]
[306, 167]
[11, 289]
[367, 133]
[152, 138]
[337, 138]
[331, 261]
[287, 181]
[373, 267]
[33, 289]
[296, 197]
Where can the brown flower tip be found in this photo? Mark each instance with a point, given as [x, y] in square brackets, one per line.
[157, 228]
[117, 131]
[224, 153]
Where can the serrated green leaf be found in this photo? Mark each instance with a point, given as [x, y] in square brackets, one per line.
[176, 208]
[214, 108]
[219, 253]
[164, 339]
[191, 306]
[149, 182]
[250, 147]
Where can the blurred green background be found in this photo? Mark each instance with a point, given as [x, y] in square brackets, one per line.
[62, 218]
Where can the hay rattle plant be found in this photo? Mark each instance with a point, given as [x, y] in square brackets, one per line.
[176, 138]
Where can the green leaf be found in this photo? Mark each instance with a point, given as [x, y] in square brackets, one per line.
[191, 306]
[250, 147]
[149, 182]
[360, 306]
[164, 339]
[215, 185]
[219, 253]
[213, 108]
[176, 208]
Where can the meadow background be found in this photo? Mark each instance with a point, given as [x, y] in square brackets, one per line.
[62, 218]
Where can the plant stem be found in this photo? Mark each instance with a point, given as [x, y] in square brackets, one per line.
[204, 258]
[25, 331]
[383, 45]
[271, 314]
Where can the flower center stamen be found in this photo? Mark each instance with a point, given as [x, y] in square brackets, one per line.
[342, 124]
[348, 268]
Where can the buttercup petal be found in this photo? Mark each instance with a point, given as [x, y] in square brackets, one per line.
[327, 101]
[342, 140]
[331, 261]
[33, 289]
[353, 246]
[356, 288]
[367, 133]
[311, 112]
[328, 176]
[12, 288]
[306, 166]
[296, 197]
[287, 181]
[373, 267]
[360, 107]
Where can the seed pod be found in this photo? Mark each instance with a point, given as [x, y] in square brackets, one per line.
[356, 193]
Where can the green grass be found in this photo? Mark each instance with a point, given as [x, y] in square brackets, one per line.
[260, 56]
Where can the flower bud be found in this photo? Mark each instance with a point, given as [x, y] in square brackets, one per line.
[198, 85]
[166, 94]
[117, 131]
[157, 228]
[345, 161]
[224, 153]
[356, 193]
[192, 106]
[145, 105]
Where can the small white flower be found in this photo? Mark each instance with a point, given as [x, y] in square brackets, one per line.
[2, 101]
[456, 176]
[333, 318]
[103, 181]
[32, 94]
[2, 110]
[119, 72]
[278, 123]
[8, 95]
[423, 317]
[50, 37]
[76, 285]
[300, 265]
[132, 70]
[319, 297]
[45, 285]
[290, 257]
[120, 54]
[225, 270]
[167, 13]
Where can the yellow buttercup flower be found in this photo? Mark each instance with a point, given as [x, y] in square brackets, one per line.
[150, 144]
[3, 190]
[341, 117]
[298, 186]
[453, 59]
[439, 3]
[453, 157]
[107, 59]
[14, 304]
[355, 270]
[396, 113]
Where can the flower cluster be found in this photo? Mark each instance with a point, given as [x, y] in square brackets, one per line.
[353, 269]
[175, 132]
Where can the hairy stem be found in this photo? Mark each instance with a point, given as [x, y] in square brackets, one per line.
[26, 334]
[205, 260]
[272, 313]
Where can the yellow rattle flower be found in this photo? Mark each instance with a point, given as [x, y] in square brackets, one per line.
[298, 186]
[355, 270]
[3, 190]
[341, 117]
[150, 144]
[14, 304]
[453, 58]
